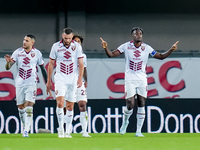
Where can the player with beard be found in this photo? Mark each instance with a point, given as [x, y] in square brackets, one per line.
[26, 58]
[67, 55]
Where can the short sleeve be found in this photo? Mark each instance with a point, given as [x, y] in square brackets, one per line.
[152, 52]
[121, 48]
[40, 59]
[85, 60]
[14, 56]
[53, 52]
[79, 51]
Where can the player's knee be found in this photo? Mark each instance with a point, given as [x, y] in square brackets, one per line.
[29, 111]
[129, 103]
[82, 105]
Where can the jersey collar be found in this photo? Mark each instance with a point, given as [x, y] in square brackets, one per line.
[61, 43]
[132, 44]
[33, 49]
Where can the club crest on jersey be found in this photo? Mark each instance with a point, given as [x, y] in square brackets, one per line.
[142, 47]
[32, 54]
[73, 47]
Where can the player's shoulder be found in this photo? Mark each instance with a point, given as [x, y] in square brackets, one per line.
[37, 50]
[84, 55]
[123, 45]
[59, 43]
[74, 43]
[146, 46]
[128, 43]
[19, 49]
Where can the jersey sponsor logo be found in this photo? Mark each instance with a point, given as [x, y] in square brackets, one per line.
[73, 47]
[60, 50]
[26, 61]
[130, 48]
[21, 55]
[137, 53]
[32, 55]
[67, 54]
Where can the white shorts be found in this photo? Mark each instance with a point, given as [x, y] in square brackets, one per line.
[66, 90]
[136, 87]
[26, 93]
[81, 94]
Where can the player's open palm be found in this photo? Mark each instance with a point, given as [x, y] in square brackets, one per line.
[174, 47]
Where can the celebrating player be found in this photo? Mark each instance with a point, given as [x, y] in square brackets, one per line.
[26, 59]
[136, 55]
[68, 56]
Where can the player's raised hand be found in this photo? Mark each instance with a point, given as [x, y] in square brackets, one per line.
[174, 47]
[8, 58]
[103, 43]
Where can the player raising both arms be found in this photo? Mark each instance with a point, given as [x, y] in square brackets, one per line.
[136, 55]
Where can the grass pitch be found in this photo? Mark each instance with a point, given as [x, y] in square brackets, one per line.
[105, 141]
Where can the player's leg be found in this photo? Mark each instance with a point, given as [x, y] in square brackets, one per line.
[69, 117]
[60, 115]
[83, 117]
[29, 116]
[21, 105]
[60, 90]
[130, 91]
[65, 111]
[127, 113]
[70, 99]
[81, 98]
[30, 95]
[141, 99]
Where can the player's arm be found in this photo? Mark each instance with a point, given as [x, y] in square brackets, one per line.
[9, 60]
[85, 76]
[44, 73]
[109, 53]
[50, 71]
[81, 69]
[167, 53]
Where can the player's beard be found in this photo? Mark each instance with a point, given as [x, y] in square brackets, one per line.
[138, 41]
[66, 44]
[26, 47]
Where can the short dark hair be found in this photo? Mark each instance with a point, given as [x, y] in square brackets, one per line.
[78, 36]
[67, 31]
[31, 36]
[137, 28]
